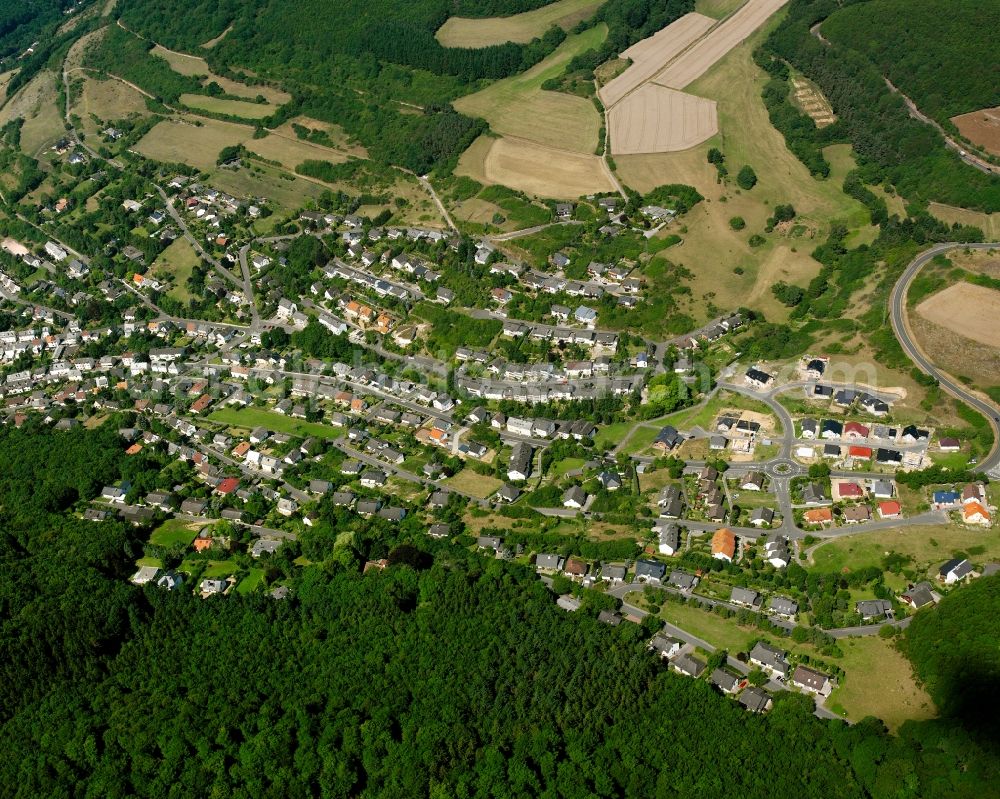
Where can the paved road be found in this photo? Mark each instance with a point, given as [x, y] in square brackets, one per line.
[897, 311]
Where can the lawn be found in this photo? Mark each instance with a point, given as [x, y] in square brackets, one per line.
[565, 465]
[523, 27]
[717, 8]
[253, 579]
[219, 568]
[517, 106]
[174, 532]
[642, 438]
[724, 401]
[880, 683]
[177, 262]
[929, 546]
[249, 418]
[478, 485]
[719, 632]
[181, 140]
[609, 435]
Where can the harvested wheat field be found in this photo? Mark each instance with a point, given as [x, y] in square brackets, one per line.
[981, 127]
[290, 151]
[655, 119]
[534, 168]
[956, 354]
[695, 61]
[520, 28]
[650, 55]
[966, 309]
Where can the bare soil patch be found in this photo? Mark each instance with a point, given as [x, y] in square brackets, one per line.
[966, 309]
[981, 127]
[655, 119]
[812, 103]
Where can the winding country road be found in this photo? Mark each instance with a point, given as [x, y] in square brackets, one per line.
[897, 315]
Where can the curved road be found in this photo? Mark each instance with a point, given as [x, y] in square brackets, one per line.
[897, 313]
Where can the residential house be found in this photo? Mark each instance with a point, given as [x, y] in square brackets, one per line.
[649, 571]
[956, 570]
[688, 665]
[769, 658]
[871, 609]
[783, 606]
[745, 597]
[919, 596]
[724, 545]
[811, 680]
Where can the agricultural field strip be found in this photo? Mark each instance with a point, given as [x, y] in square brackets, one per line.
[650, 55]
[966, 309]
[709, 49]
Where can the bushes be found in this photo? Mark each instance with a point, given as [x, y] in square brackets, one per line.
[746, 178]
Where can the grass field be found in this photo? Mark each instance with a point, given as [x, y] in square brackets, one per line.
[192, 65]
[177, 261]
[517, 106]
[879, 683]
[479, 485]
[724, 401]
[36, 104]
[717, 8]
[989, 223]
[483, 32]
[710, 248]
[290, 151]
[236, 108]
[929, 546]
[198, 145]
[286, 191]
[107, 99]
[252, 581]
[249, 418]
[175, 532]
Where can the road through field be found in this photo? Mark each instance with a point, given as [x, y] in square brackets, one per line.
[898, 318]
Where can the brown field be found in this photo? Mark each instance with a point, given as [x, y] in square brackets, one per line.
[650, 55]
[981, 262]
[518, 106]
[534, 168]
[989, 223]
[521, 28]
[956, 354]
[284, 190]
[180, 140]
[810, 101]
[966, 309]
[708, 50]
[655, 119]
[981, 127]
[36, 103]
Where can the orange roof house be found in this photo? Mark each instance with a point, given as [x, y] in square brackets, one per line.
[228, 485]
[135, 449]
[724, 544]
[890, 509]
[975, 513]
[241, 449]
[201, 544]
[818, 516]
[861, 452]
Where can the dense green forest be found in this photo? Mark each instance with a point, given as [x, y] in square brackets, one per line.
[22, 22]
[890, 146]
[947, 63]
[446, 675]
[956, 654]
